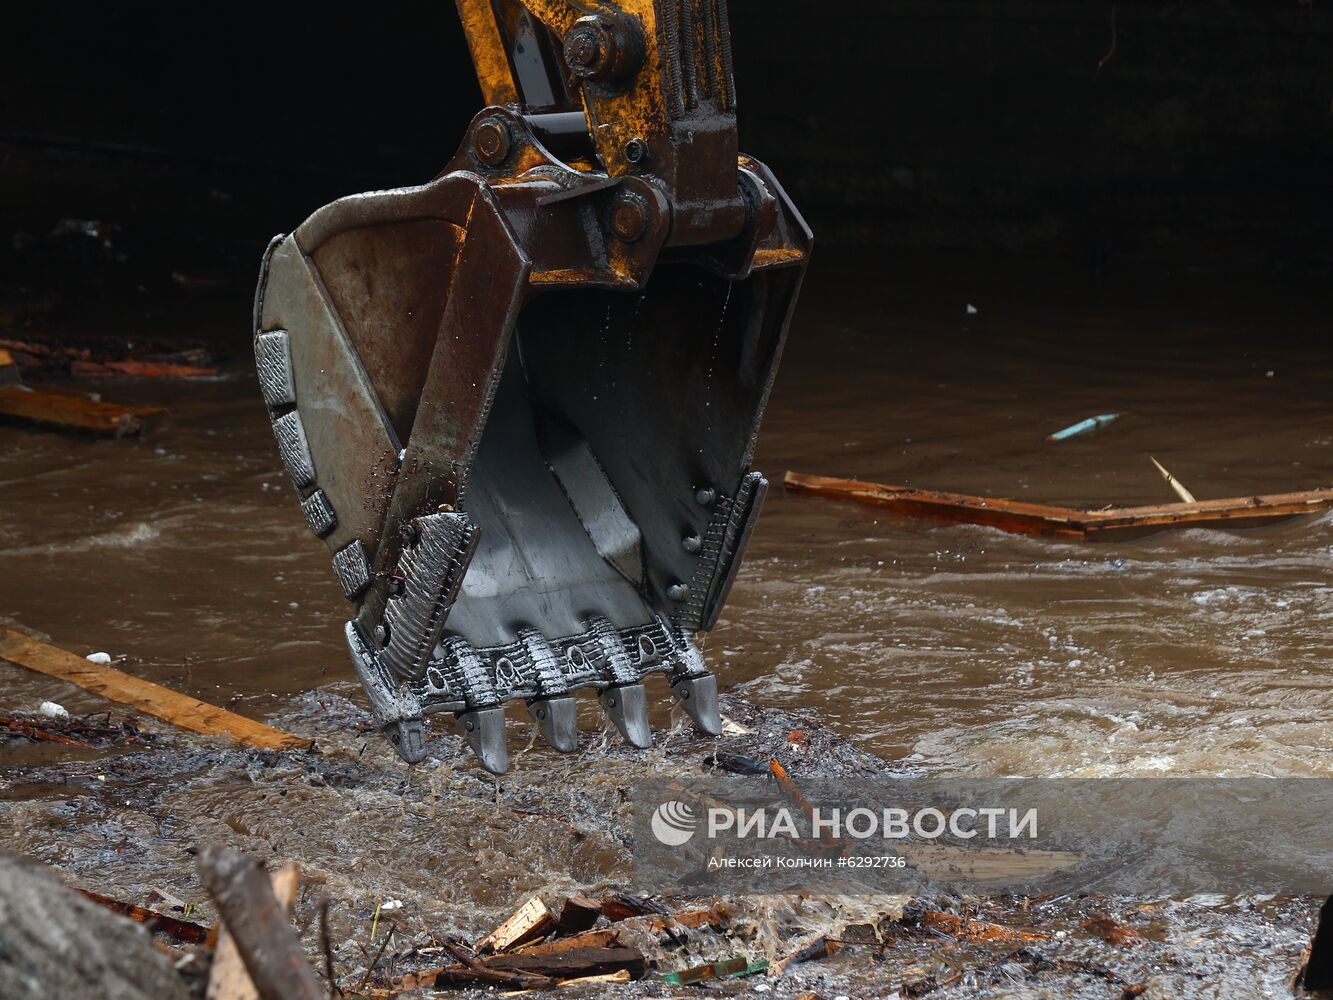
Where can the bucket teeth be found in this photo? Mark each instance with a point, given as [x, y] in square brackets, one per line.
[408, 738]
[484, 730]
[627, 706]
[698, 696]
[557, 718]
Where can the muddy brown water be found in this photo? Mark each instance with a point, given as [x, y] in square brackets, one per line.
[936, 648]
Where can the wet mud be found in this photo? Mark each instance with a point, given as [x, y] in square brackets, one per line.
[904, 647]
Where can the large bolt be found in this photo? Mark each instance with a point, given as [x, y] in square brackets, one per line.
[629, 217]
[582, 48]
[492, 142]
[602, 48]
[678, 591]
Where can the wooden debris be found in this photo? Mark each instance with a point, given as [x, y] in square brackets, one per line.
[93, 355]
[732, 968]
[970, 930]
[260, 928]
[35, 730]
[1109, 524]
[228, 978]
[530, 921]
[621, 906]
[578, 914]
[526, 970]
[162, 923]
[714, 916]
[607, 937]
[139, 369]
[153, 699]
[573, 962]
[1110, 931]
[823, 947]
[73, 412]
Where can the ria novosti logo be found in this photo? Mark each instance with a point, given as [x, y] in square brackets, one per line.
[674, 823]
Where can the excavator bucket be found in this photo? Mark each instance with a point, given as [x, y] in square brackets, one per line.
[519, 402]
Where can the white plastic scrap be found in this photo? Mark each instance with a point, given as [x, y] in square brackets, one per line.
[102, 659]
[971, 309]
[391, 904]
[53, 711]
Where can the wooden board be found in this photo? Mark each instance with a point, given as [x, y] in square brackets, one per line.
[73, 412]
[152, 699]
[1113, 523]
[227, 977]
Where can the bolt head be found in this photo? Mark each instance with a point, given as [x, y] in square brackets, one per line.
[629, 218]
[705, 496]
[678, 591]
[636, 150]
[492, 142]
[583, 47]
[692, 544]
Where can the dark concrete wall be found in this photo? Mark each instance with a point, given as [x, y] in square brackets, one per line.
[1205, 138]
[963, 122]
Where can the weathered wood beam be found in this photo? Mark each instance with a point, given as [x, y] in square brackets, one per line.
[152, 699]
[73, 412]
[1113, 523]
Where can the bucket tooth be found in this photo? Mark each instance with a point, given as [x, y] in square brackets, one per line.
[698, 696]
[557, 718]
[627, 706]
[484, 730]
[408, 737]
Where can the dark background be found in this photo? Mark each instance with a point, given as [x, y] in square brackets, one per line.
[1166, 135]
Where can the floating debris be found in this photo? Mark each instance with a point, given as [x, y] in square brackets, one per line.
[1106, 524]
[1084, 427]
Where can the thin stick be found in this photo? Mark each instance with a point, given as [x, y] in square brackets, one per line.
[1173, 482]
[383, 944]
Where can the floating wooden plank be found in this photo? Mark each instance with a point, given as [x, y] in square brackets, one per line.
[73, 412]
[530, 921]
[152, 699]
[1110, 524]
